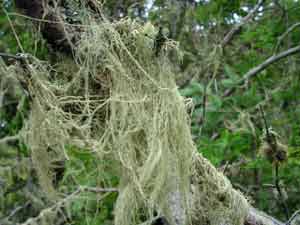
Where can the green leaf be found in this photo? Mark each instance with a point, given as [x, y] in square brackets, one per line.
[230, 72]
[192, 90]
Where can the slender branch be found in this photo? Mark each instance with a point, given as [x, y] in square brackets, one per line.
[289, 30]
[8, 139]
[14, 31]
[293, 217]
[238, 26]
[270, 61]
[65, 200]
[204, 99]
[265, 123]
[257, 69]
[16, 210]
[33, 19]
[281, 198]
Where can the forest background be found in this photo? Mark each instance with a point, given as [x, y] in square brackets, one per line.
[226, 121]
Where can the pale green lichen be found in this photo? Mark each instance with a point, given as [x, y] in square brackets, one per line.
[120, 100]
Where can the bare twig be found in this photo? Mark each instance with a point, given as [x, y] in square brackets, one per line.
[33, 19]
[265, 123]
[282, 201]
[14, 31]
[202, 117]
[257, 69]
[16, 210]
[289, 30]
[204, 104]
[270, 61]
[293, 217]
[238, 26]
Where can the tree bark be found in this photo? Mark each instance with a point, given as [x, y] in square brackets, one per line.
[57, 32]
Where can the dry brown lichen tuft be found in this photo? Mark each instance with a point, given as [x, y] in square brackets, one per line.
[274, 154]
[271, 148]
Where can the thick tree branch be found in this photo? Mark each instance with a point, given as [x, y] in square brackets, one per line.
[238, 26]
[256, 217]
[32, 8]
[59, 35]
[257, 69]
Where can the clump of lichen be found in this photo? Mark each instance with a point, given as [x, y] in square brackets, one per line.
[272, 149]
[120, 100]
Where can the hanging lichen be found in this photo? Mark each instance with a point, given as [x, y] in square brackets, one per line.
[120, 100]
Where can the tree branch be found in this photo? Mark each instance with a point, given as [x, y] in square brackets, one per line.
[293, 217]
[257, 69]
[8, 139]
[59, 35]
[16, 210]
[238, 26]
[11, 56]
[256, 217]
[289, 30]
[67, 199]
